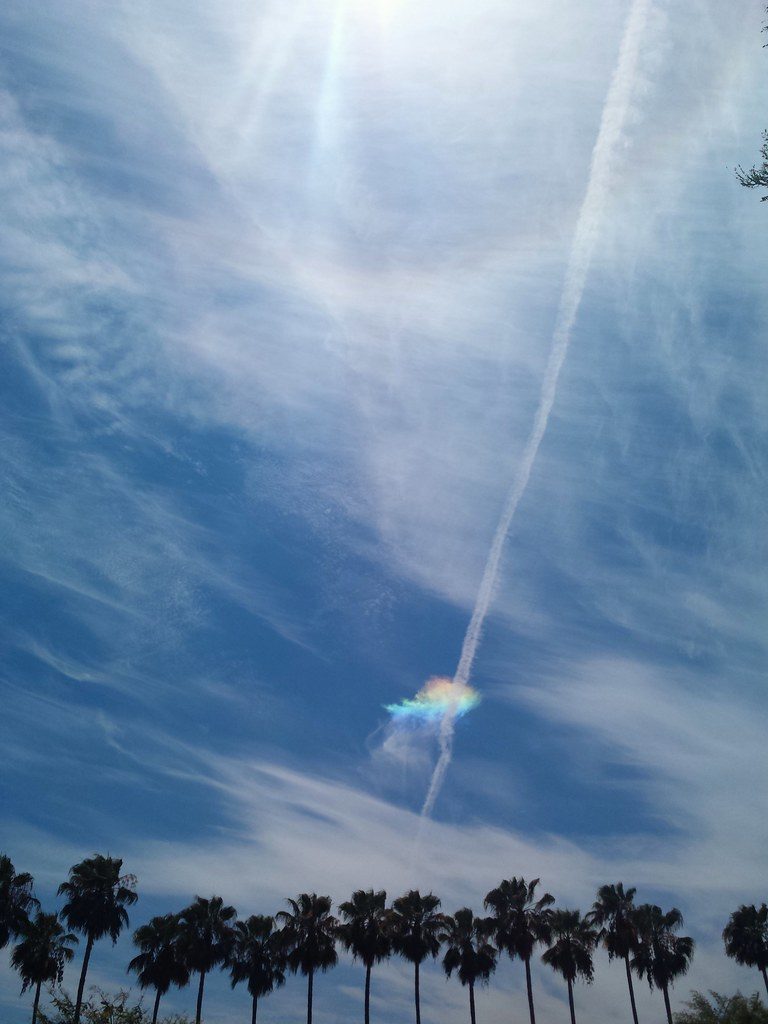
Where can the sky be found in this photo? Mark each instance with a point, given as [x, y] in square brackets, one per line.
[279, 285]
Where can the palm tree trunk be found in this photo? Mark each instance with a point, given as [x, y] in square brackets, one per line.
[570, 1001]
[416, 993]
[157, 1007]
[36, 1002]
[368, 994]
[200, 987]
[765, 978]
[472, 1018]
[529, 986]
[310, 990]
[668, 1008]
[631, 988]
[81, 984]
[253, 1010]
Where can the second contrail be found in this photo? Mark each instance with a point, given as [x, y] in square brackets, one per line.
[582, 249]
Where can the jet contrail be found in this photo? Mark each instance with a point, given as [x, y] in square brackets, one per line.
[611, 127]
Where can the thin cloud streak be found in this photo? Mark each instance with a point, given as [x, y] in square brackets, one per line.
[609, 137]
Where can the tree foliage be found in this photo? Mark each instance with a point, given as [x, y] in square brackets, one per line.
[746, 936]
[257, 956]
[16, 900]
[573, 939]
[103, 1008]
[97, 895]
[757, 177]
[469, 951]
[43, 951]
[719, 1009]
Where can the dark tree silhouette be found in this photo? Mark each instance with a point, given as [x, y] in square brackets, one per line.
[614, 913]
[416, 929]
[16, 900]
[661, 955]
[40, 956]
[521, 922]
[746, 938]
[469, 951]
[571, 951]
[757, 177]
[160, 963]
[310, 937]
[719, 1009]
[257, 958]
[366, 931]
[205, 938]
[97, 895]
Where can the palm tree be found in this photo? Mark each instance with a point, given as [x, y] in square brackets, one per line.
[366, 932]
[257, 958]
[40, 956]
[571, 952]
[746, 938]
[613, 913]
[521, 922]
[159, 964]
[416, 929]
[97, 895]
[469, 952]
[661, 955]
[309, 930]
[16, 900]
[205, 938]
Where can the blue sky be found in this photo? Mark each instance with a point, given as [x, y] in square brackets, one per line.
[278, 288]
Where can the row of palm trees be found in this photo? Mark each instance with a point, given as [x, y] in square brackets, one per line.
[304, 938]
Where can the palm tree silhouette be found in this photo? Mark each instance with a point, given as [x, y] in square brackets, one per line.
[614, 913]
[310, 936]
[257, 957]
[16, 900]
[416, 929]
[521, 922]
[159, 964]
[746, 938]
[366, 932]
[40, 956]
[97, 895]
[205, 938]
[661, 955]
[571, 952]
[469, 951]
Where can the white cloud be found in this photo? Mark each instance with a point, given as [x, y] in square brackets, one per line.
[287, 831]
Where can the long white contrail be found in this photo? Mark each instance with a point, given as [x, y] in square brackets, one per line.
[612, 122]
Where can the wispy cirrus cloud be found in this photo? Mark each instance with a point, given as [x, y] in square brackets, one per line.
[279, 294]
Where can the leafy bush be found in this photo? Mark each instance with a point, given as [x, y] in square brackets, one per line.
[718, 1009]
[103, 1008]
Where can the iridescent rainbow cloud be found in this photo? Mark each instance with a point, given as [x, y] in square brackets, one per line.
[440, 696]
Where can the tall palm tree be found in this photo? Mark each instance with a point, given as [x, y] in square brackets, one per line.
[16, 900]
[97, 895]
[205, 939]
[257, 957]
[521, 922]
[416, 929]
[614, 914]
[746, 937]
[159, 964]
[366, 932]
[40, 956]
[469, 951]
[309, 930]
[661, 955]
[571, 952]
